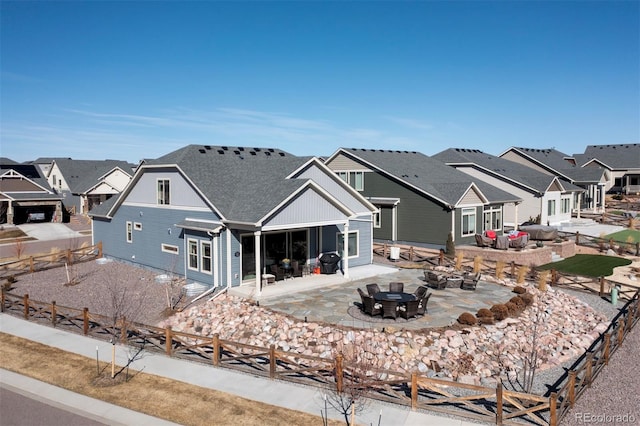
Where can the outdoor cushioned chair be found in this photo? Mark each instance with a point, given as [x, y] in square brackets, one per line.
[519, 242]
[470, 282]
[372, 289]
[296, 269]
[420, 292]
[396, 287]
[422, 304]
[436, 281]
[369, 305]
[409, 309]
[277, 272]
[483, 241]
[389, 309]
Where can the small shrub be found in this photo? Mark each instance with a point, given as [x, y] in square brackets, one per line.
[450, 246]
[486, 320]
[467, 319]
[519, 290]
[517, 300]
[527, 298]
[11, 279]
[512, 309]
[499, 311]
[484, 313]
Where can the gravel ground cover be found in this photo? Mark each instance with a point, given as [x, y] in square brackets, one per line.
[614, 393]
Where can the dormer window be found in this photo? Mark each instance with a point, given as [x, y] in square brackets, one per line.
[164, 192]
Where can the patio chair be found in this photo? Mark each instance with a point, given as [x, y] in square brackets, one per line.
[296, 269]
[277, 272]
[373, 288]
[437, 281]
[502, 242]
[470, 282]
[369, 305]
[519, 242]
[483, 241]
[396, 287]
[409, 309]
[420, 292]
[422, 304]
[389, 309]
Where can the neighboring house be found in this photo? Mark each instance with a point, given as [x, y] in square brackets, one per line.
[87, 183]
[221, 216]
[622, 161]
[25, 196]
[543, 195]
[550, 161]
[419, 199]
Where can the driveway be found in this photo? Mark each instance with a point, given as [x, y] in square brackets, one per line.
[49, 231]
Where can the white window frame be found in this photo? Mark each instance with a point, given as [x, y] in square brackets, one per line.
[565, 205]
[340, 241]
[551, 207]
[204, 258]
[377, 219]
[495, 218]
[137, 226]
[354, 178]
[468, 212]
[169, 248]
[129, 231]
[163, 192]
[191, 243]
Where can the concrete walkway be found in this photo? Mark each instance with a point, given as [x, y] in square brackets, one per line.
[274, 392]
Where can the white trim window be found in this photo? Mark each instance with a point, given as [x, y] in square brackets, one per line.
[192, 249]
[205, 257]
[377, 220]
[168, 248]
[565, 206]
[551, 208]
[164, 192]
[355, 179]
[492, 218]
[129, 232]
[468, 221]
[354, 248]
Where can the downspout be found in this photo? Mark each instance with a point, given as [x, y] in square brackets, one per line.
[345, 251]
[215, 238]
[228, 231]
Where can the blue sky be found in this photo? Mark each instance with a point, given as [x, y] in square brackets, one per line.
[132, 80]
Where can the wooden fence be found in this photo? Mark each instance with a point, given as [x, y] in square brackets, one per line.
[41, 262]
[496, 405]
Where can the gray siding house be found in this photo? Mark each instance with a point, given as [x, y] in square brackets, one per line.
[544, 196]
[622, 161]
[420, 200]
[221, 216]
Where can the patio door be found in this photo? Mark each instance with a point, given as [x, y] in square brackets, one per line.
[276, 246]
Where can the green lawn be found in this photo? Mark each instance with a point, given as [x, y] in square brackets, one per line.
[590, 265]
[624, 234]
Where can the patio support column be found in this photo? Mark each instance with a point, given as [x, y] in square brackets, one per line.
[258, 269]
[515, 216]
[579, 203]
[345, 251]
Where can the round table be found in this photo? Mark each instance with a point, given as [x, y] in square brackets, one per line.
[396, 297]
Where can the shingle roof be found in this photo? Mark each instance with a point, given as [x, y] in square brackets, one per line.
[428, 174]
[30, 171]
[622, 156]
[556, 162]
[499, 166]
[244, 184]
[82, 175]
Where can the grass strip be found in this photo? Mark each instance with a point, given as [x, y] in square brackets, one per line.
[625, 236]
[590, 265]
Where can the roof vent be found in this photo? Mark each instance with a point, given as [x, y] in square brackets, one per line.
[221, 151]
[281, 154]
[202, 151]
[267, 153]
[271, 150]
[256, 149]
[240, 148]
[236, 152]
[225, 148]
[252, 152]
[207, 147]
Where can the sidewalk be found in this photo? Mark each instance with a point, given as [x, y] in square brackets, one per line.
[274, 392]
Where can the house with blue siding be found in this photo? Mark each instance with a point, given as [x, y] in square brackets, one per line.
[421, 200]
[222, 216]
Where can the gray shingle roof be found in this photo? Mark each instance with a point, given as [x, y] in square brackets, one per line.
[556, 162]
[82, 175]
[30, 171]
[622, 156]
[499, 166]
[428, 174]
[244, 184]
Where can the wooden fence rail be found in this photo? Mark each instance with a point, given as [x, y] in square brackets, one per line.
[497, 404]
[48, 261]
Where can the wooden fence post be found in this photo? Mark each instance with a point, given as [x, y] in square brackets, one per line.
[553, 409]
[85, 321]
[601, 294]
[638, 249]
[272, 361]
[25, 302]
[3, 299]
[411, 254]
[621, 331]
[216, 349]
[589, 372]
[339, 373]
[499, 403]
[414, 390]
[54, 314]
[554, 277]
[513, 269]
[572, 388]
[69, 257]
[99, 248]
[168, 342]
[32, 267]
[607, 348]
[577, 238]
[441, 257]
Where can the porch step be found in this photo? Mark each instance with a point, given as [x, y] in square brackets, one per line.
[555, 257]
